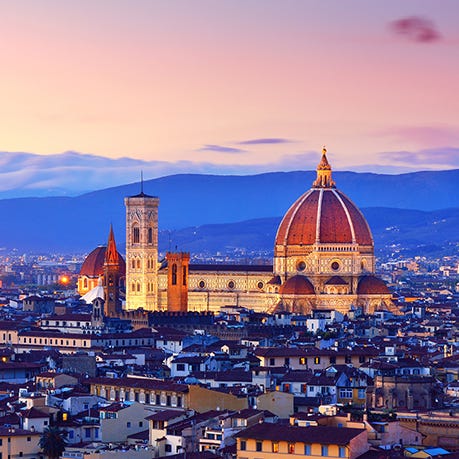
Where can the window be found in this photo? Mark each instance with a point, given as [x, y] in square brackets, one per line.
[179, 401]
[345, 393]
[275, 446]
[259, 446]
[168, 400]
[71, 434]
[174, 274]
[184, 275]
[286, 387]
[304, 388]
[150, 235]
[243, 445]
[286, 361]
[317, 360]
[307, 449]
[135, 234]
[291, 448]
[303, 361]
[168, 448]
[324, 450]
[272, 362]
[333, 359]
[342, 451]
[180, 367]
[87, 432]
[128, 424]
[348, 359]
[29, 438]
[361, 393]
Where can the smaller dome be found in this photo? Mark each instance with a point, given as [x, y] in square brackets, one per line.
[372, 285]
[93, 265]
[297, 285]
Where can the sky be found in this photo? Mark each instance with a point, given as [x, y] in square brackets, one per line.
[233, 85]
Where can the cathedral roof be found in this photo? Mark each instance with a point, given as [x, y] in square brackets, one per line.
[297, 285]
[336, 280]
[323, 215]
[372, 285]
[93, 265]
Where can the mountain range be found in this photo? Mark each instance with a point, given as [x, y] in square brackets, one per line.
[412, 207]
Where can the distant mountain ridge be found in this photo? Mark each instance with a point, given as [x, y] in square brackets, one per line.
[192, 200]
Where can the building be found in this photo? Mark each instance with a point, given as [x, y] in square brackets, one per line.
[268, 440]
[323, 259]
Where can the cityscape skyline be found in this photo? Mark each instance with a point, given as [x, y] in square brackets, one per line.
[232, 87]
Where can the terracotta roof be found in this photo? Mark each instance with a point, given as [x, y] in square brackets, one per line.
[297, 285]
[323, 215]
[312, 434]
[93, 265]
[372, 285]
[231, 268]
[142, 383]
[336, 280]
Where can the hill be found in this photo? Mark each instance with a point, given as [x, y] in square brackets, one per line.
[80, 223]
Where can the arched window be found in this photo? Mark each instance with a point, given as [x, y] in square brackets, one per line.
[133, 287]
[135, 234]
[133, 263]
[174, 274]
[85, 282]
[150, 235]
[138, 286]
[184, 275]
[138, 263]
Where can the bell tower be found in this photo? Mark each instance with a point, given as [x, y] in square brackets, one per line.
[141, 251]
[177, 281]
[112, 305]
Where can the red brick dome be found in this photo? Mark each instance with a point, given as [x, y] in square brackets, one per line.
[323, 215]
[93, 265]
[297, 285]
[372, 285]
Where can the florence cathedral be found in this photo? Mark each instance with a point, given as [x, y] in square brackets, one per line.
[323, 260]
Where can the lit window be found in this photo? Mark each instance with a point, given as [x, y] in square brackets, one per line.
[317, 360]
[275, 447]
[291, 448]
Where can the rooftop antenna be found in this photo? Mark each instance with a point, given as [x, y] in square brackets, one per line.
[141, 182]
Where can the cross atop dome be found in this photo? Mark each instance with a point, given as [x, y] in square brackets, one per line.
[324, 178]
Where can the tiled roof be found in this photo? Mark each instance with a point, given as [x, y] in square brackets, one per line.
[141, 383]
[312, 434]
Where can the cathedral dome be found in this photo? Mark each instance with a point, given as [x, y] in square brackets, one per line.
[372, 285]
[323, 215]
[297, 285]
[93, 265]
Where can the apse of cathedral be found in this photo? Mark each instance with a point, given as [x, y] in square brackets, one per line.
[323, 260]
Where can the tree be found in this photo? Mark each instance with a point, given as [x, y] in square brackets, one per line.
[52, 442]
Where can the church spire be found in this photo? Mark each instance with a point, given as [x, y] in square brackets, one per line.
[111, 254]
[324, 173]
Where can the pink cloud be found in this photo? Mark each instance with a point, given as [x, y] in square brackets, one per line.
[416, 29]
